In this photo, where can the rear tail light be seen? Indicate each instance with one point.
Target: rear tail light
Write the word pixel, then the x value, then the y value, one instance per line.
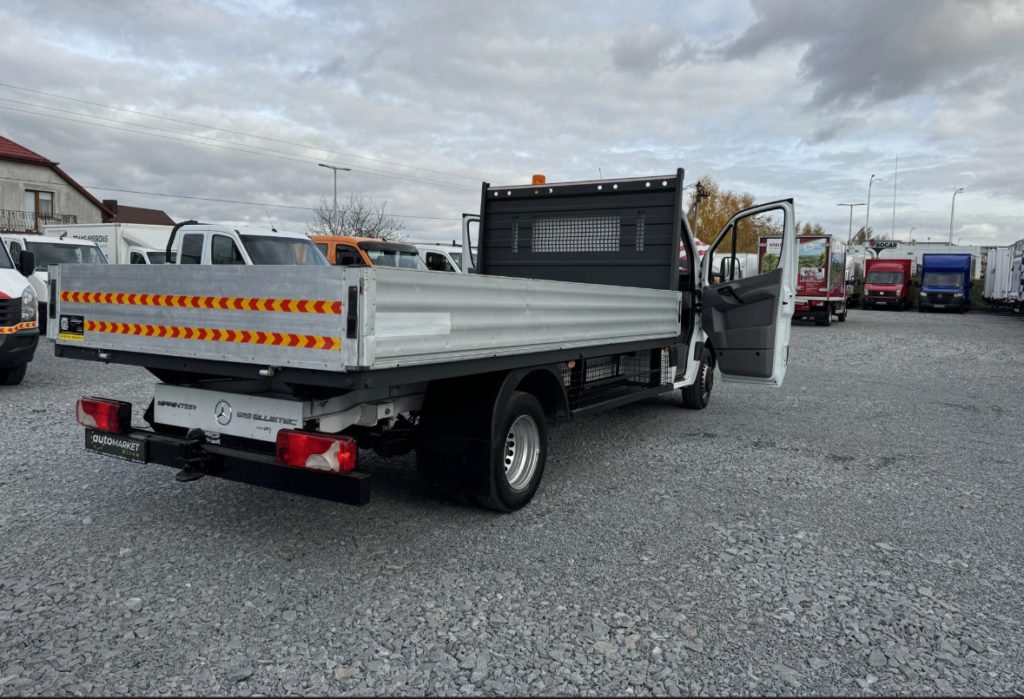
pixel 335 453
pixel 104 414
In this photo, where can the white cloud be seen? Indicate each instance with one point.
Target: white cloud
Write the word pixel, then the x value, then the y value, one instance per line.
pixel 426 100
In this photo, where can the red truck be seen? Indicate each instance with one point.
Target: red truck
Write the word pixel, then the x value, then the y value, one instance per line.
pixel 821 280
pixel 887 283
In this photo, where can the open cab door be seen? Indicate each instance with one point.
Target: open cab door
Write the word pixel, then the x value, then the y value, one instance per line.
pixel 747 318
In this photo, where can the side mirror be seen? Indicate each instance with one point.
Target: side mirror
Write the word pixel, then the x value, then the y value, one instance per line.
pixel 26 262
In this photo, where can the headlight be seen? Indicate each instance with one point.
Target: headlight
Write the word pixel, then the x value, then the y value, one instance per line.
pixel 958 295
pixel 29 305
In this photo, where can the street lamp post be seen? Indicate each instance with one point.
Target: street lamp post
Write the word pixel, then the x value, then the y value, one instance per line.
pixel 849 235
pixel 910 235
pixel 867 216
pixel 952 207
pixel 334 220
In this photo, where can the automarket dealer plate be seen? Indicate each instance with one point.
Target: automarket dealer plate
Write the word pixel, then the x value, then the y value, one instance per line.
pixel 119 445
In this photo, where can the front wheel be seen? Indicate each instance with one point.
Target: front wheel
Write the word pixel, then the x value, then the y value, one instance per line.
pixel 12 376
pixel 842 316
pixel 518 453
pixel 698 395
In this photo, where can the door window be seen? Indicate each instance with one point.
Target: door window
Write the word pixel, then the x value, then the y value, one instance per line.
pixel 347 255
pixel 191 249
pixel 438 262
pixel 223 251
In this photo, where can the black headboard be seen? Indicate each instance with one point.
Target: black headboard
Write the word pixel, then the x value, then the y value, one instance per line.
pixel 623 232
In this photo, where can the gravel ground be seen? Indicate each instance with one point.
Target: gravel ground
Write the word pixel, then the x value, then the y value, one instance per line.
pixel 856 532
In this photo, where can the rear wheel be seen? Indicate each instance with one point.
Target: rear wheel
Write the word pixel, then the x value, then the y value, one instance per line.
pixel 12 376
pixel 826 320
pixel 518 453
pixel 698 395
pixel 842 316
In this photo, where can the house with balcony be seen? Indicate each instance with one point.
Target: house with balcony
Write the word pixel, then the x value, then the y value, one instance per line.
pixel 35 192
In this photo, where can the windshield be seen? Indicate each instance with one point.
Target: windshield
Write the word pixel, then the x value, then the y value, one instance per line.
pixel 879 277
pixel 268 250
pixel 953 279
pixel 395 258
pixel 56 254
pixel 5 259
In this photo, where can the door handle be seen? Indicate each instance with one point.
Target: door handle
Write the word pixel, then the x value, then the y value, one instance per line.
pixel 732 292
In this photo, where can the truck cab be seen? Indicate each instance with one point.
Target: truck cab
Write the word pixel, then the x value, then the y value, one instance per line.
pixel 887 283
pixel 945 282
pixel 48 251
pixel 19 317
pixel 347 250
pixel 193 243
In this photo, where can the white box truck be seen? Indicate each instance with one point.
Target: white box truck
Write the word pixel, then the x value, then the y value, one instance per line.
pixel 121 243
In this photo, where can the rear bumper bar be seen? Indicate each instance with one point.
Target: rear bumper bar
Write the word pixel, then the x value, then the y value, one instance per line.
pixel 241 465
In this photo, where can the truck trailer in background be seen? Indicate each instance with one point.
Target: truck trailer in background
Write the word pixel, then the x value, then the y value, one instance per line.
pixel 997 277
pixel 945 282
pixel 1015 295
pixel 821 289
pixel 887 283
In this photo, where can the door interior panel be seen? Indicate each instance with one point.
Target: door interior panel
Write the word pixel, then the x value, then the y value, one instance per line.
pixel 738 316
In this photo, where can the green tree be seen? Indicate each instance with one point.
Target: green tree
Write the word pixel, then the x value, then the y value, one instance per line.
pixel 713 207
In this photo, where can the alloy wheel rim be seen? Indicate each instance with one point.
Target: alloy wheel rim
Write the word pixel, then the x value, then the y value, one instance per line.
pixel 522 452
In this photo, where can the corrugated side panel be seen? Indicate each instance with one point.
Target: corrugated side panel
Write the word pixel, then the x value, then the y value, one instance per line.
pixel 277 316
pixel 428 317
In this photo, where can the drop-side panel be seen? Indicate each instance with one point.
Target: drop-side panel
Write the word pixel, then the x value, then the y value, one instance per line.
pixel 426 317
pixel 275 316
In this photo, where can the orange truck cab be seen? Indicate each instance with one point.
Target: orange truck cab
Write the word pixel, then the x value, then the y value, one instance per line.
pixel 350 250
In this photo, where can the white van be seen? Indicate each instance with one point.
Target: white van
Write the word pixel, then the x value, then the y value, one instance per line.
pixel 47 251
pixel 441 258
pixel 19 317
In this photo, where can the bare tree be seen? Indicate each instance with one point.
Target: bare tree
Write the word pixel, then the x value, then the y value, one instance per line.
pixel 358 216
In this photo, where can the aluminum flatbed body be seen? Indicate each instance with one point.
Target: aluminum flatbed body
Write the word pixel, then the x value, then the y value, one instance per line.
pixel 344 319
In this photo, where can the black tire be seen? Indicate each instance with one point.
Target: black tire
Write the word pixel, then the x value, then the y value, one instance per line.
pixel 698 395
pixel 841 317
pixel 827 320
pixel 518 452
pixel 12 376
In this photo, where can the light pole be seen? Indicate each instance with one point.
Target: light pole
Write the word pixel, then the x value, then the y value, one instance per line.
pixel 867 216
pixel 910 235
pixel 952 207
pixel 849 235
pixel 334 220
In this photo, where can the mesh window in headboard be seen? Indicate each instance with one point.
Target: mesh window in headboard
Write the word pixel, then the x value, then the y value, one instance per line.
pixel 576 234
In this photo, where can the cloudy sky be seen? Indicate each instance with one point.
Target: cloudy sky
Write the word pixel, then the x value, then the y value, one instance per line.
pixel 221 111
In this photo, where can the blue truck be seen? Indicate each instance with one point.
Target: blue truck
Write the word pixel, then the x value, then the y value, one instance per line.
pixel 945 282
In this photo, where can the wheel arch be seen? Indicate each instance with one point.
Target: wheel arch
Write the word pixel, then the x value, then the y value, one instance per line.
pixel 544 384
